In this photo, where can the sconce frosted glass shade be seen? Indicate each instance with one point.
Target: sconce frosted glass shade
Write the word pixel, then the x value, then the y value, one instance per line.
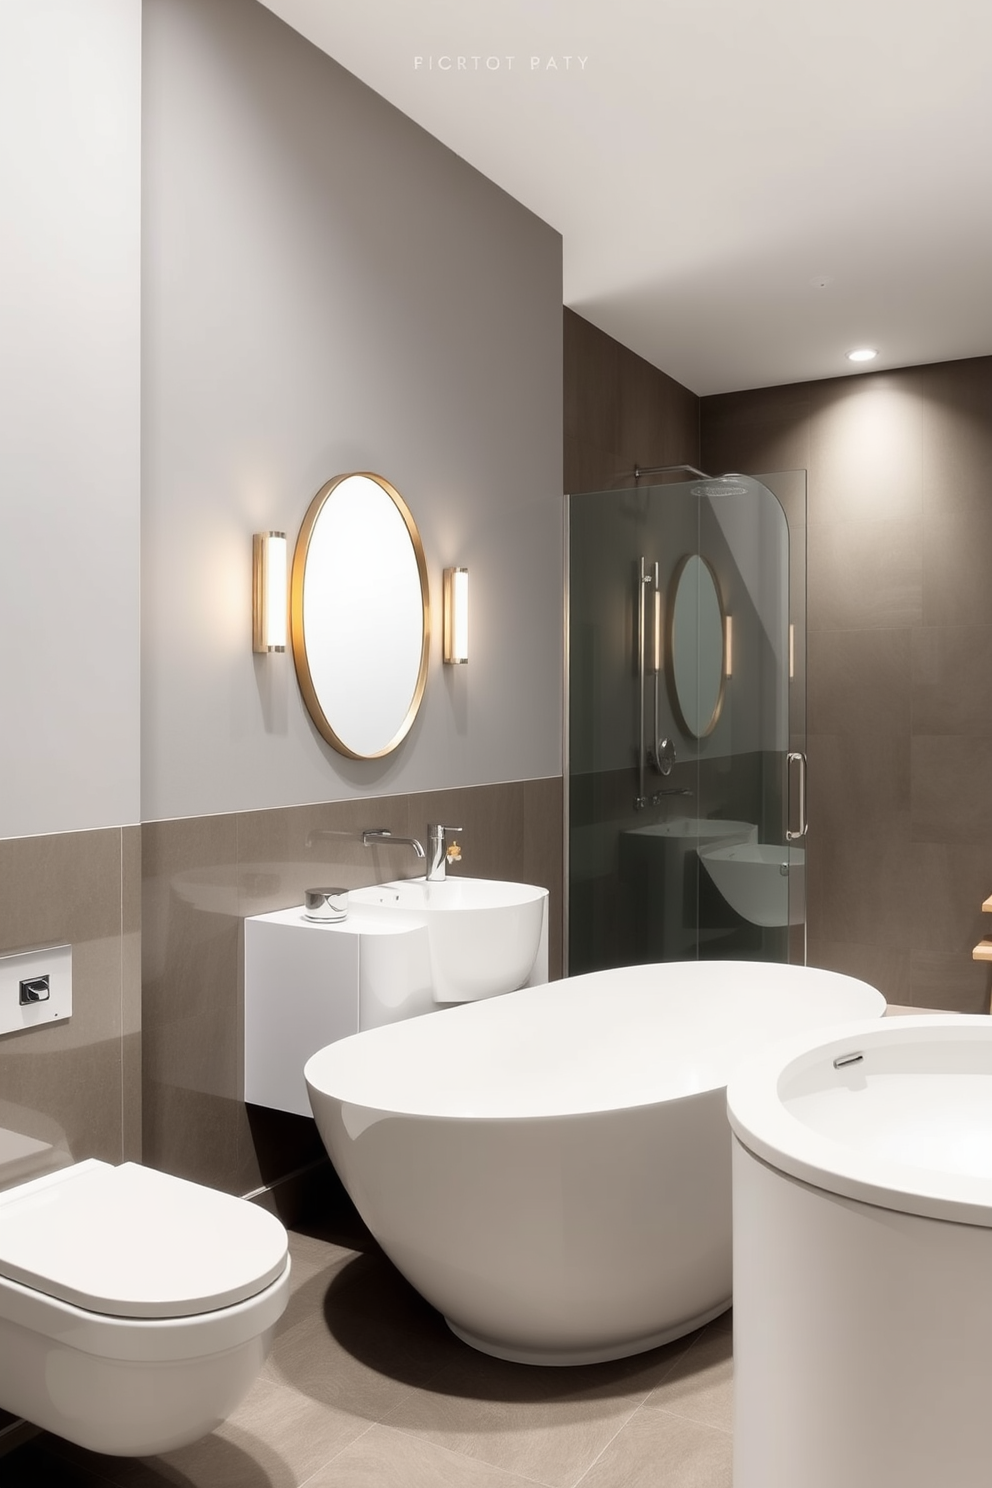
pixel 455 615
pixel 270 591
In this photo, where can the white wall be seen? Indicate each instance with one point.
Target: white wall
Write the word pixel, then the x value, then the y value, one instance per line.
pixel 326 288
pixel 70 89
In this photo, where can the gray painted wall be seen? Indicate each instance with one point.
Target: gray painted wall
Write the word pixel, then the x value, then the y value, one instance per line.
pixel 326 288
pixel 69 436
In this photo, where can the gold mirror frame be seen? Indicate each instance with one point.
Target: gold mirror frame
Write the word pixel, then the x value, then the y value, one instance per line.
pixel 315 706
pixel 677 704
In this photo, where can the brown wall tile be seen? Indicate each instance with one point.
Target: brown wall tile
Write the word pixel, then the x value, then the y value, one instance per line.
pixel 864 575
pixel 620 411
pixel 193 1112
pixel 950 679
pixel 956 404
pixel 67 1076
pixel 865 450
pixel 899 853
pixel 765 429
pixel 131 993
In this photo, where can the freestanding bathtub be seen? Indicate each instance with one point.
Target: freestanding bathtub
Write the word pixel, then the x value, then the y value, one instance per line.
pixel 863 1257
pixel 551 1168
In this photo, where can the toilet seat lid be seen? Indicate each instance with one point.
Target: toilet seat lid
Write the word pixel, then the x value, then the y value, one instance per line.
pixel 132 1242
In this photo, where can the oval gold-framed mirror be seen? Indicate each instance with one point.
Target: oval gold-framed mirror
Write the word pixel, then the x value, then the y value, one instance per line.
pixel 695 660
pixel 360 615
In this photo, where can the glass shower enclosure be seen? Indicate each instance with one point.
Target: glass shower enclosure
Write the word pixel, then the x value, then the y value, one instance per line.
pixel 686 709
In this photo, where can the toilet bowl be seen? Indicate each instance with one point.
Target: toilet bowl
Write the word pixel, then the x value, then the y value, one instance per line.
pixel 136 1308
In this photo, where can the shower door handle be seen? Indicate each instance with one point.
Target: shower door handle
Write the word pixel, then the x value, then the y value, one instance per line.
pixel 795 756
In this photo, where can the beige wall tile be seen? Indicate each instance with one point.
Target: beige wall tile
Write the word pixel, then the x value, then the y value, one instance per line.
pixel 62 1082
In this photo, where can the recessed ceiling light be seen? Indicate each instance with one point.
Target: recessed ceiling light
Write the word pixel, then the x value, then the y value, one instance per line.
pixel 863 354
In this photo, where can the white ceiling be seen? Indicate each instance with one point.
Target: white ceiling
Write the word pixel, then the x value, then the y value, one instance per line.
pixel 746 189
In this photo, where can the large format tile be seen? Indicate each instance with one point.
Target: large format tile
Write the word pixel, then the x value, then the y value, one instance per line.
pixel 765 429
pixel 659 1450
pixel 866 450
pixel 358 1338
pixel 951 800
pixel 956 550
pixel 956 407
pixel 383 1458
pixel 883 966
pixel 860 682
pixel 67 1075
pixel 131 1092
pixel 277 1438
pixel 548 1425
pixel 950 693
pixel 950 884
pixel 701 1386
pixel 949 982
pixel 865 574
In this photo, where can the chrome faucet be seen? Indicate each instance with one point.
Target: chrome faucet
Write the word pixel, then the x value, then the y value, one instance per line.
pixel 438 847
pixel 375 835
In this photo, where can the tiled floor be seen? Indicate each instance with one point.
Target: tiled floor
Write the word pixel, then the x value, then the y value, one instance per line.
pixel 366 1388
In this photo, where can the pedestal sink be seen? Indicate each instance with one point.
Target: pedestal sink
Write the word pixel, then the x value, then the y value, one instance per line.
pixel 659 863
pixel 484 934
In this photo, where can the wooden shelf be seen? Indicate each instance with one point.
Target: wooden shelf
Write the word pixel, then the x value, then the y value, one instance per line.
pixel 987 906
pixel 983 950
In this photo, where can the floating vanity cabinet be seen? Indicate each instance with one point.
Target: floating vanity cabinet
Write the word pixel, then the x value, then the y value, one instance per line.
pixel 309 984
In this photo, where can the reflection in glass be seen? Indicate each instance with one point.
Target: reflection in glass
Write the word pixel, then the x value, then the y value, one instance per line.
pixel 696 658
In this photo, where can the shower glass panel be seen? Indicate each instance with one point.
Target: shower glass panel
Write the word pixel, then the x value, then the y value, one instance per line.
pixel 686 668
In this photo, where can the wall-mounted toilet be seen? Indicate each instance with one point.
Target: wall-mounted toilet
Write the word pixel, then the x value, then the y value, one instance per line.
pixel 136 1308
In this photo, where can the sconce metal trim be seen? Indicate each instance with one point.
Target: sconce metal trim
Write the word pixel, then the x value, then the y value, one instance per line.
pixel 455 649
pixel 269 592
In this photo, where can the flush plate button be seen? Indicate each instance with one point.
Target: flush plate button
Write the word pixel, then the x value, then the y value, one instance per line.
pixel 35 989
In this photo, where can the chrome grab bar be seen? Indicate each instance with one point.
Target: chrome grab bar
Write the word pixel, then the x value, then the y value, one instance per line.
pixel 641 800
pixel 795 756
pixel 662 751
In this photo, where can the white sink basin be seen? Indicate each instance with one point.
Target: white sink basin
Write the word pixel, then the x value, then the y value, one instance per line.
pixel 764 883
pixel 484 933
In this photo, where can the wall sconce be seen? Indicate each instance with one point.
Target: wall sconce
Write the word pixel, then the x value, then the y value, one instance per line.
pixel 728 645
pixel 269 592
pixel 455 616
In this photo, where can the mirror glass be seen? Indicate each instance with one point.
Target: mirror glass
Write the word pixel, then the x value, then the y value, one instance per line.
pixel 695 646
pixel 360 615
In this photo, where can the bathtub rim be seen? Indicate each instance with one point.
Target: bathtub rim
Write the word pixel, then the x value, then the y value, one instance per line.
pixel 764 1126
pixel 347 1089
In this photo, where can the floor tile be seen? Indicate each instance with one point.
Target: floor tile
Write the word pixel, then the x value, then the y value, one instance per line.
pixel 391 1459
pixel 701 1385
pixel 358 1338
pixel 657 1450
pixel 277 1438
pixel 367 1388
pixel 544 1424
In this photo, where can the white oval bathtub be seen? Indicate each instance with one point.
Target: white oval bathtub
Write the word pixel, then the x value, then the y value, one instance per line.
pixel 863 1255
pixel 551 1169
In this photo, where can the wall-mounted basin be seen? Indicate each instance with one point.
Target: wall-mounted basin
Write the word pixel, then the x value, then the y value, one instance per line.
pixel 764 883
pixel 485 934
